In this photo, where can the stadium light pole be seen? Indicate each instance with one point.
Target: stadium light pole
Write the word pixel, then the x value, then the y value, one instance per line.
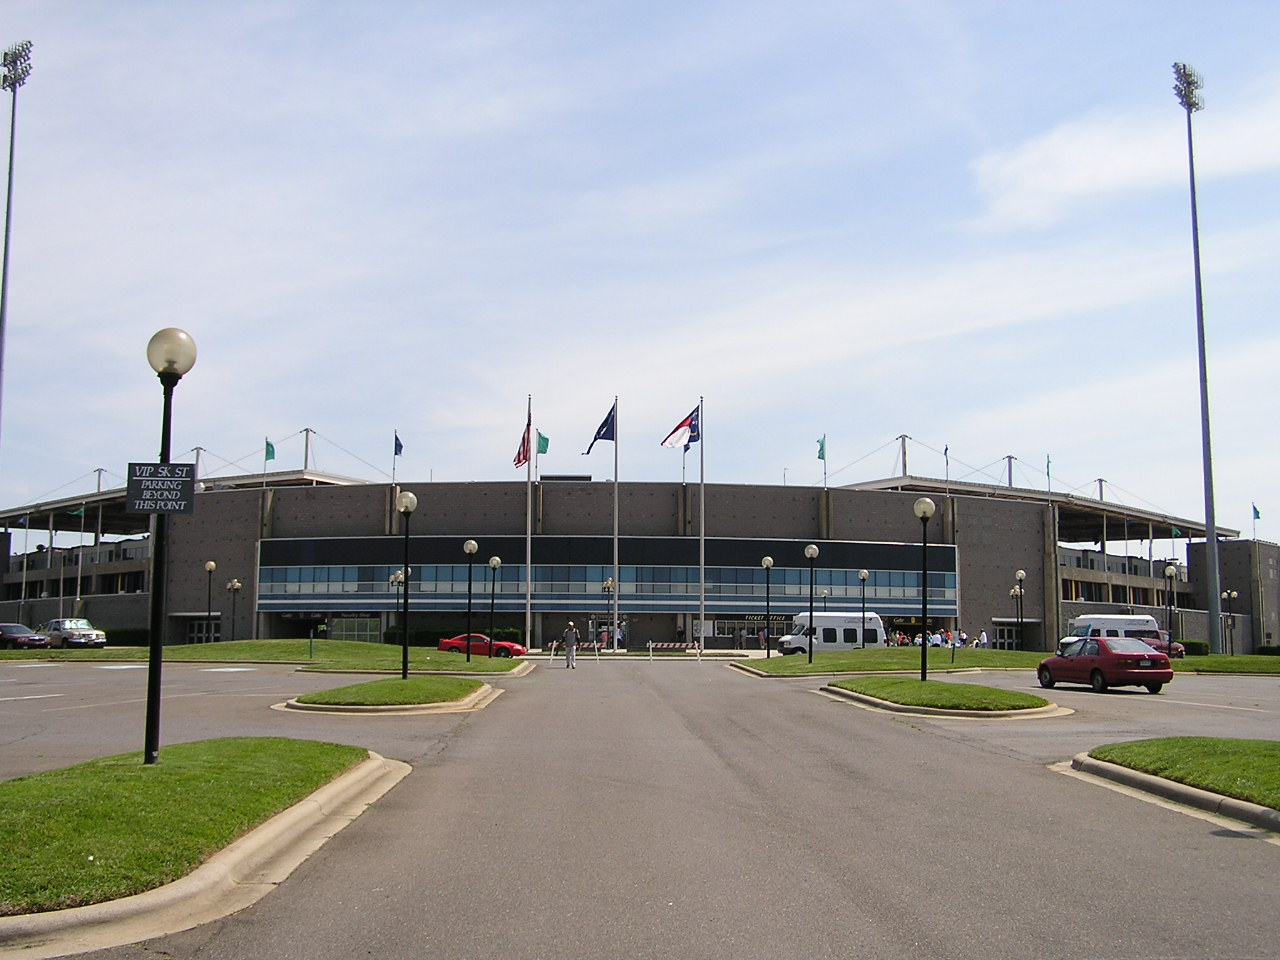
pixel 924 508
pixel 1187 87
pixel 811 551
pixel 17 67
pixel 171 353
pixel 406 503
pixel 767 563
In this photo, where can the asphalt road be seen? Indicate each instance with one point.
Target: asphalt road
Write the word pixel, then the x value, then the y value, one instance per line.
pixel 684 810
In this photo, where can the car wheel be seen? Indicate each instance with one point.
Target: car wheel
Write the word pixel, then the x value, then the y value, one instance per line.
pixel 1154 687
pixel 1098 681
pixel 500 652
pixel 1046 678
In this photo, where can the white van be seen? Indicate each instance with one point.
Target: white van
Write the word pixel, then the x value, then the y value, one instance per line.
pixel 1135 625
pixel 836 629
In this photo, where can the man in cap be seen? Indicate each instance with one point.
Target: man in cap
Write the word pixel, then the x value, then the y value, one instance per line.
pixel 571 646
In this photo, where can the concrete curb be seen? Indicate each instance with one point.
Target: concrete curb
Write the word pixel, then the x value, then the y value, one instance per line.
pixel 1251 813
pixel 1050 710
pixel 476 700
pixel 230 880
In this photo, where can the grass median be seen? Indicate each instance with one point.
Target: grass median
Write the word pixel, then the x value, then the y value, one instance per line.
pixel 911 692
pixel 1244 769
pixel 114 827
pixel 395 692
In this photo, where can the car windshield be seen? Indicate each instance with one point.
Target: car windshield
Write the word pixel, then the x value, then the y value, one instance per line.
pixel 15 628
pixel 797 630
pixel 77 625
pixel 1128 646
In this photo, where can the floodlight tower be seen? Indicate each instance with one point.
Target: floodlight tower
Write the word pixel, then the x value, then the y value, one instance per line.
pixel 1187 86
pixel 16 62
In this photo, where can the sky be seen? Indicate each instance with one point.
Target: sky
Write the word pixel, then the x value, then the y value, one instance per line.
pixel 968 223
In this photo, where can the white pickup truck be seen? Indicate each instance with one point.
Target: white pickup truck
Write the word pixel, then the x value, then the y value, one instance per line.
pixel 73 632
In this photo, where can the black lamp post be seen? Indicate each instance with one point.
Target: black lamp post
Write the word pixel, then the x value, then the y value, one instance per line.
pixel 767 563
pixel 862 580
pixel 924 509
pixel 811 551
pixel 171 353
pixel 1170 573
pixel 233 588
pixel 469 548
pixel 494 564
pixel 1020 576
pixel 607 589
pixel 406 503
pixel 1228 596
pixel 209 567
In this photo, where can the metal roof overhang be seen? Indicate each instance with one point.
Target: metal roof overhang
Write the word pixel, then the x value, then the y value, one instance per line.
pixel 1080 519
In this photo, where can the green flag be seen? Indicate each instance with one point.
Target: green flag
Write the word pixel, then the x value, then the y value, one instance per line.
pixel 544 443
pixel 822 448
pixel 1175 532
pixel 271 451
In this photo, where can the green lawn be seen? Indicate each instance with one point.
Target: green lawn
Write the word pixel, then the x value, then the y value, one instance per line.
pixel 114 827
pixel 329 655
pixel 910 691
pixel 896 658
pixel 1244 769
pixel 394 692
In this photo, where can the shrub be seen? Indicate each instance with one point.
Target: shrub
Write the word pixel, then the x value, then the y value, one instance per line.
pixel 1196 648
pixel 1268 650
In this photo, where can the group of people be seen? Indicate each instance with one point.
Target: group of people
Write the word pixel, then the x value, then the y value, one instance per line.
pixel 941 638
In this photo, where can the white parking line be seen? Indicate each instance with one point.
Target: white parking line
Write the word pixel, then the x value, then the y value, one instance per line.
pixel 228 669
pixel 1216 706
pixel 120 666
pixel 34 696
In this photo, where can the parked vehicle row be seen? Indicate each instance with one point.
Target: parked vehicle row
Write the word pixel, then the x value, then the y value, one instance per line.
pixel 65 632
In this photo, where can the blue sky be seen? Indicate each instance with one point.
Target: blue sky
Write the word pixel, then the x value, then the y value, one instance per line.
pixel 964 222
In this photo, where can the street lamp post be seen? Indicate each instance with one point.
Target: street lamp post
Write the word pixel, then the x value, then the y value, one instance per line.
pixel 209 567
pixel 811 551
pixel 767 563
pixel 924 508
pixel 17 67
pixel 1020 576
pixel 1228 596
pixel 862 581
pixel 171 353
pixel 607 589
pixel 1187 88
pixel 233 588
pixel 469 548
pixel 406 503
pixel 1170 573
pixel 495 563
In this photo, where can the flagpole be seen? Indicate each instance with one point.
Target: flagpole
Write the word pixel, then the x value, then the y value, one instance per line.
pixel 617 583
pixel 528 529
pixel 702 531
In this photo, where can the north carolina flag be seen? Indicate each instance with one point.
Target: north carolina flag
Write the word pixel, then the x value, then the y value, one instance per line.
pixel 399 445
pixel 687 431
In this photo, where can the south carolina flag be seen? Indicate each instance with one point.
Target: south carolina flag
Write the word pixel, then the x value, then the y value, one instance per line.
pixel 687 431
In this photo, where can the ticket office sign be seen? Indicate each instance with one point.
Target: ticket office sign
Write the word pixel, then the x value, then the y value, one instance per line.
pixel 161 488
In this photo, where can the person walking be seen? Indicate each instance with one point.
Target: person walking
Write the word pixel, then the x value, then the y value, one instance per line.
pixel 570 637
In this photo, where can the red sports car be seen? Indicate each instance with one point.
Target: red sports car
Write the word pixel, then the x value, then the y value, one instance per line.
pixel 481 646
pixel 1105 662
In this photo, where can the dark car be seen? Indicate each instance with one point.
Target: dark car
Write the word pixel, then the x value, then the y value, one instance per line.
pixel 1103 662
pixel 15 636
pixel 481 645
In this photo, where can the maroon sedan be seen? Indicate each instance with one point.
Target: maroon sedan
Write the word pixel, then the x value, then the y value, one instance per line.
pixel 16 636
pixel 481 646
pixel 1103 662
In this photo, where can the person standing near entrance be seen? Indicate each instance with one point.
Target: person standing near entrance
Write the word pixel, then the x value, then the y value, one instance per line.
pixel 570 637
